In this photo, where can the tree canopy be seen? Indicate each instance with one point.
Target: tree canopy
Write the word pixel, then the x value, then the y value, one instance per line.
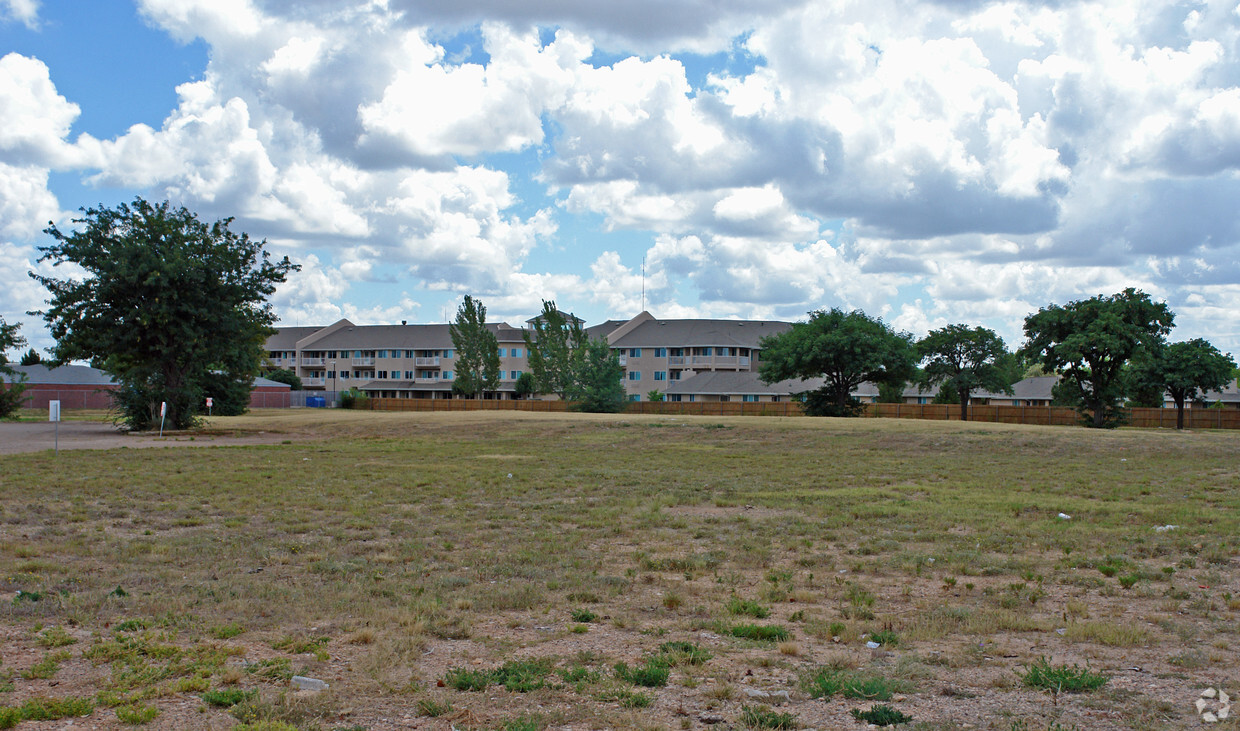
pixel 554 345
pixel 1089 341
pixel 11 388
pixel 845 349
pixel 477 350
pixel 1184 370
pixel 964 359
pixel 167 301
pixel 596 385
pixel 31 357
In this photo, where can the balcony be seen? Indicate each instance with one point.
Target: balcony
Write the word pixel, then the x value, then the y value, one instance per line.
pixel 675 360
pixel 307 361
pixel 426 380
pixel 624 359
pixel 426 362
pixel 312 381
pixel 364 361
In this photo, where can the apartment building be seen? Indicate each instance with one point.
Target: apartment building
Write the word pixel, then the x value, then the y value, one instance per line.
pixel 387 361
pixel 658 355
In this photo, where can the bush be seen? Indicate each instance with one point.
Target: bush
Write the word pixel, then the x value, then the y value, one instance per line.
pixel 1061 678
pixel 354 399
pixel 831 681
pixel 653 674
pixel 763 717
pixel 761 633
pixel 881 715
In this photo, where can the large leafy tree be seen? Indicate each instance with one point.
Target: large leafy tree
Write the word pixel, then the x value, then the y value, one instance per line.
pixel 554 346
pixel 12 387
pixel 1088 342
pixel 844 348
pixel 963 359
pixel 1184 370
pixel 477 350
pixel 167 301
pixel 596 385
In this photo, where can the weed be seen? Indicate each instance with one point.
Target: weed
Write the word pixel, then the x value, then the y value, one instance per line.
pixel 136 714
pixel 47 667
pixel 52 709
pixel 54 637
pixel 683 653
pixel 132 625
pixel 761 717
pixel 467 679
pixel 525 723
pixel 518 676
pixel 628 698
pixel 738 606
pixel 303 646
pixel 761 633
pixel 829 681
pixel 227 697
pixel 432 708
pixel 885 637
pixel 227 631
pixel 1129 580
pixel 1041 675
pixel 583 615
pixel 651 674
pixel 881 715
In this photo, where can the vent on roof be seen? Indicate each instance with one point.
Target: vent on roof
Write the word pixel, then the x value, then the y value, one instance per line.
pixel 404 322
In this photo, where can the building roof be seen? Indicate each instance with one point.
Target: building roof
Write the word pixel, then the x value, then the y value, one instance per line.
pixel 286 337
pixel 415 386
pixel 735 383
pixel 268 383
pixel 695 333
pixel 66 375
pixel 384 337
pixel 603 329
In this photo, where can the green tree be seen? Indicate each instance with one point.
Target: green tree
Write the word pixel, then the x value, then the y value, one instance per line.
pixel 12 387
pixel 891 393
pixel 844 348
pixel 477 350
pixel 656 396
pixel 964 359
pixel 1089 341
pixel 524 386
pixel 554 346
pixel 1184 370
pixel 31 357
pixel 284 375
pixel 167 300
pixel 596 385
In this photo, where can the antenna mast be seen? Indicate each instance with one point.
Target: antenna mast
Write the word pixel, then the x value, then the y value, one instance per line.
pixel 643 282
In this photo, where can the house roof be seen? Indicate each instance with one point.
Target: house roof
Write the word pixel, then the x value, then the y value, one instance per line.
pixel 731 383
pixel 415 386
pixel 383 337
pixel 268 383
pixel 66 375
pixel 603 329
pixel 690 333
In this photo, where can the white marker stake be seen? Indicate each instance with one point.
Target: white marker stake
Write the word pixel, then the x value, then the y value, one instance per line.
pixel 209 402
pixel 163 411
pixel 53 415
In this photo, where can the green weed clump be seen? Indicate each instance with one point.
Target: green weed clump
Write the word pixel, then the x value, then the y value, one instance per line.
pixel 683 653
pixel 826 682
pixel 584 615
pixel 881 715
pixel 748 607
pixel 652 674
pixel 53 709
pixel 761 633
pixel 518 676
pixel 54 637
pixel 761 717
pixel 885 637
pixel 227 697
pixel 431 708
pixel 136 714
pixel 1041 675
pixel 304 646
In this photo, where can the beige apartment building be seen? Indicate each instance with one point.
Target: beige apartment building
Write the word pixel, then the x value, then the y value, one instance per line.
pixel 387 361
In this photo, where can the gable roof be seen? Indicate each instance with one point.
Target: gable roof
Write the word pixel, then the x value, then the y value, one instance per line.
pixel 694 333
pixel 383 337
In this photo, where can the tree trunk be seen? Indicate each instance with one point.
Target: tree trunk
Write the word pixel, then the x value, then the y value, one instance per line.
pixel 964 404
pixel 1179 412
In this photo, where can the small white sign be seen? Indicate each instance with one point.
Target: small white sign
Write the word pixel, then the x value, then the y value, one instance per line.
pixel 210 402
pixel 53 411
pixel 163 409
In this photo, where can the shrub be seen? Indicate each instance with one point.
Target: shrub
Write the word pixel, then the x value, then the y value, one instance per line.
pixel 762 633
pixel 227 697
pixel 738 606
pixel 652 674
pixel 881 715
pixel 1061 678
pixel 763 717
pixel 831 681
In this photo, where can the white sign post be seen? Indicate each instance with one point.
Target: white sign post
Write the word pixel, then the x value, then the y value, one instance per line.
pixel 53 415
pixel 209 402
pixel 163 411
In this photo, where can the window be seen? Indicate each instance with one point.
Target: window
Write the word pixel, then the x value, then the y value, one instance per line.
pixel 635 397
pixel 331 374
pixel 516 352
pixel 705 351
pixel 660 352
pixel 775 398
pixel 447 375
pixel 635 375
pixel 331 354
pixel 447 354
pixel 678 351
pixel 344 375
pixel 673 397
pixel 724 351
pixel 408 375
pixel 383 375
pixel 503 352
pixel 516 375
pixel 381 354
pixel 409 354
pixel 692 397
pixel 749 398
pixel 660 375
pixel 635 352
pixel 725 398
pixel 675 375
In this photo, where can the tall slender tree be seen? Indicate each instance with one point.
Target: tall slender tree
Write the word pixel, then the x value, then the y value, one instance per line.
pixel 963 359
pixel 554 344
pixel 477 350
pixel 12 387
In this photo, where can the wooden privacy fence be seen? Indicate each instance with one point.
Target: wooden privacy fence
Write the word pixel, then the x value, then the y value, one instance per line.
pixel 1040 415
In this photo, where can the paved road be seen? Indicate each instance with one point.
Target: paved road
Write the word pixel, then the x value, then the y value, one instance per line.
pixel 29 436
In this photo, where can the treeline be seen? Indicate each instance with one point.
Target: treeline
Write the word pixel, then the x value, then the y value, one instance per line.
pixel 1106 351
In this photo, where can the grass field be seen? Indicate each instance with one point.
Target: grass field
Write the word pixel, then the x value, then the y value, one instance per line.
pixel 529 571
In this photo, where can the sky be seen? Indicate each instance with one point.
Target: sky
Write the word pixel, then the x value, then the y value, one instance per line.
pixel 927 161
